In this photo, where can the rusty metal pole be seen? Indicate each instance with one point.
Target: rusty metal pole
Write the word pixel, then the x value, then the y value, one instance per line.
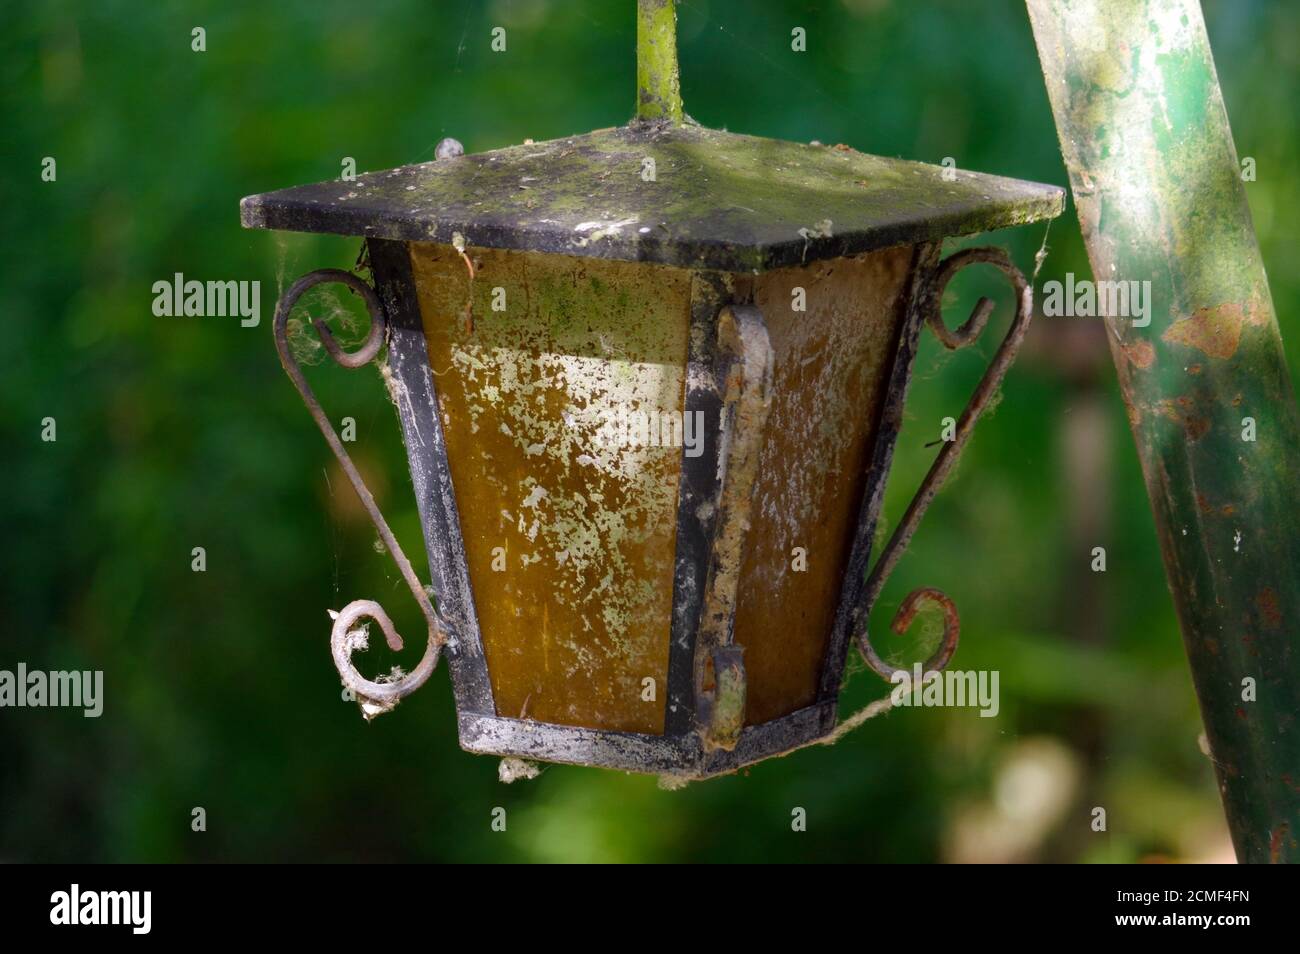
pixel 1159 191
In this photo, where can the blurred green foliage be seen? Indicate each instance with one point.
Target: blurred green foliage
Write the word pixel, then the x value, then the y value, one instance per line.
pixel 176 433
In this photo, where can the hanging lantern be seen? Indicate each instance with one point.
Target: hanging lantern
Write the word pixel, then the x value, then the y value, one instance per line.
pixel 650 380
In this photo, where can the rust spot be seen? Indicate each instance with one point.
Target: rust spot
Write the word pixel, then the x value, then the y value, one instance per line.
pixel 1241 713
pixel 1140 353
pixel 1181 411
pixel 1275 842
pixel 1269 611
pixel 1212 646
pixel 1214 331
pixel 1206 506
pixel 1130 409
pixel 1193 369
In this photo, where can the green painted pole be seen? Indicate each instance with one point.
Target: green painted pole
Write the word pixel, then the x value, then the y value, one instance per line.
pixel 658 87
pixel 1160 197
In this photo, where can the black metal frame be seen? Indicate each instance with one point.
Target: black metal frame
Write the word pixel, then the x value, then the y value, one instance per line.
pixel 689 747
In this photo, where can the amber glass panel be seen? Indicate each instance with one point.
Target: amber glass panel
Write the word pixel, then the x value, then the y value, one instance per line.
pixel 831 361
pixel 541 363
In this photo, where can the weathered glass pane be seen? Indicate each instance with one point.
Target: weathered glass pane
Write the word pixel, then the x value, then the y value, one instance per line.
pixel 567 501
pixel 832 361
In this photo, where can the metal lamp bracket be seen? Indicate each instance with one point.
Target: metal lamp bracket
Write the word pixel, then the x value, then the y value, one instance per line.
pixel 374 697
pixel 931 301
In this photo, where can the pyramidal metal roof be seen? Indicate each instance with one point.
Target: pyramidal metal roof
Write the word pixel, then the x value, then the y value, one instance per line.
pixel 672 194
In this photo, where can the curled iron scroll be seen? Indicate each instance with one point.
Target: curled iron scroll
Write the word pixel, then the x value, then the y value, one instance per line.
pixel 931 307
pixel 373 697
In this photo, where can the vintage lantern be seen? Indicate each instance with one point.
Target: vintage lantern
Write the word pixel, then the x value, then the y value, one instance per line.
pixel 650 381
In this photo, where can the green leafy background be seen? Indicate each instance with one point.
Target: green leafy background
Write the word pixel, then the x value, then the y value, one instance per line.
pixel 176 433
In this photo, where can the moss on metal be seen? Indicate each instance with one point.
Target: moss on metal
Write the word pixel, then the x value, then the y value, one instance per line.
pixel 658 86
pixel 672 194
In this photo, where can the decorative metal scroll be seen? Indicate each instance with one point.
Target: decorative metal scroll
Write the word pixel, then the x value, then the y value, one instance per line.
pixel 374 697
pixel 943 463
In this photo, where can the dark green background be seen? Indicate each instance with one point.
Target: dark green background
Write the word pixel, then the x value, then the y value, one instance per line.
pixel 176 433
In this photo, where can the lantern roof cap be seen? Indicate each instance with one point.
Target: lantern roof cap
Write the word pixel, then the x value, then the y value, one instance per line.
pixel 710 199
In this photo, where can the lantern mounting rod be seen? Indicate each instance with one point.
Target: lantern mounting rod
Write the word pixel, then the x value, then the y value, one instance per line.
pixel 658 83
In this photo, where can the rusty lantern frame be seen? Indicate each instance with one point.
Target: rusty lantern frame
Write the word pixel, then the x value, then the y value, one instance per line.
pixel 703 735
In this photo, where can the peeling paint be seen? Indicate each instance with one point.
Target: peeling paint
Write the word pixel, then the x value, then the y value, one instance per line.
pixel 588 525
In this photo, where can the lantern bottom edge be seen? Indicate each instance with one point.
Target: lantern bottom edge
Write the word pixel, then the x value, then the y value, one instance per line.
pixel 681 756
